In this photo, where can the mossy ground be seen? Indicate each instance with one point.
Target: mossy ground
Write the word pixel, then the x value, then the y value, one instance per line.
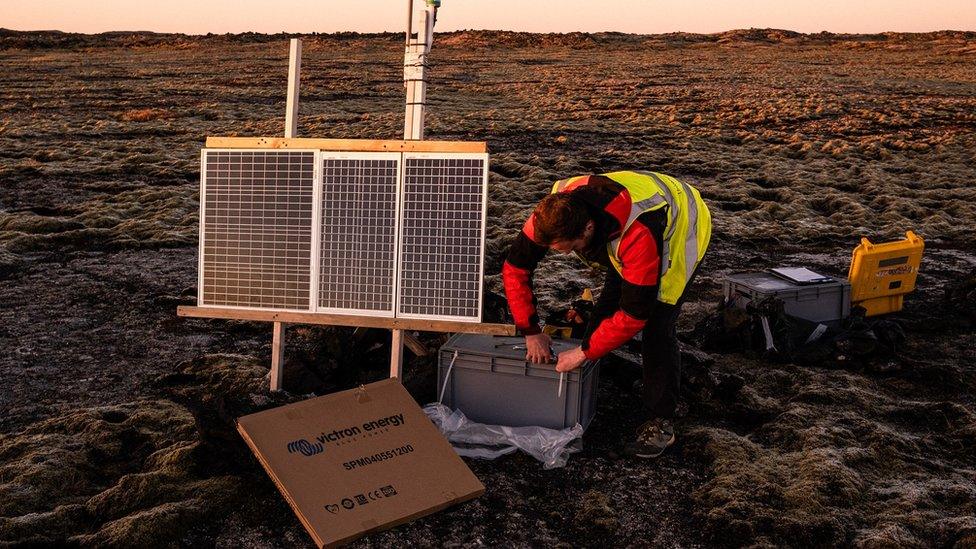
pixel 117 417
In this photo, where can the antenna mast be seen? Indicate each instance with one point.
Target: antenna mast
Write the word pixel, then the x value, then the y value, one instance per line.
pixel 416 48
pixel 420 36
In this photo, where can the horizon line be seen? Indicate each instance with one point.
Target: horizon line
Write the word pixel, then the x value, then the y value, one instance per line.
pixel 318 33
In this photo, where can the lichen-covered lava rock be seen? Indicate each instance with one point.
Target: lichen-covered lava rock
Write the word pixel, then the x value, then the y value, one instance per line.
pixel 118 475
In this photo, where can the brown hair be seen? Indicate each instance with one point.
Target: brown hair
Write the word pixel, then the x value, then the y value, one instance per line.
pixel 560 216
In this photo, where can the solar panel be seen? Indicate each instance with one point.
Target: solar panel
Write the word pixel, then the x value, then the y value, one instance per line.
pixel 357 258
pixel 383 234
pixel 442 235
pixel 256 216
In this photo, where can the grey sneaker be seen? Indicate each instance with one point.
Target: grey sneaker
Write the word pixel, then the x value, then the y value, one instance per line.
pixel 653 438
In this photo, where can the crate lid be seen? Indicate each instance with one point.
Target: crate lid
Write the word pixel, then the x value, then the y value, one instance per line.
pixel 766 283
pixel 800 275
pixel 504 346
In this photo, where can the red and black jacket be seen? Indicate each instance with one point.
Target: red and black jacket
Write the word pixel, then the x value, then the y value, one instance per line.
pixel 609 204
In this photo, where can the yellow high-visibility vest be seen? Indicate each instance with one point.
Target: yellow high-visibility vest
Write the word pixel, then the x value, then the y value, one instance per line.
pixel 688 230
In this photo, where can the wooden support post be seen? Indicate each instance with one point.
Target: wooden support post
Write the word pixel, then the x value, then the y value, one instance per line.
pixel 414 344
pixel 278 356
pixel 396 355
pixel 294 78
pixel 277 374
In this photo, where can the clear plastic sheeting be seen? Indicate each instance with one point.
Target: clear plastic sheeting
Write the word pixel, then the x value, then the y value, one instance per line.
pixel 550 446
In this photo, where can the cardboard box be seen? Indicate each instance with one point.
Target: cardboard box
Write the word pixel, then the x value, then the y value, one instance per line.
pixel 358 461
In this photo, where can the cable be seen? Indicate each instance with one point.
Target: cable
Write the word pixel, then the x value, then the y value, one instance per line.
pixel 447 377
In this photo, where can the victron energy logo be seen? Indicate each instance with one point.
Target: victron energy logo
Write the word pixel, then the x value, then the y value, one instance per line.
pixel 347 435
pixel 305 448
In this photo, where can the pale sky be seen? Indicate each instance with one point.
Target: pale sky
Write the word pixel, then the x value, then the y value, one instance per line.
pixel 635 16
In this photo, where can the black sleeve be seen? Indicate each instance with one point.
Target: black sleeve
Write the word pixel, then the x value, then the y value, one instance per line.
pixel 524 253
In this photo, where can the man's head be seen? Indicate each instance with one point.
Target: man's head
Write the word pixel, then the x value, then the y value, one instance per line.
pixel 563 223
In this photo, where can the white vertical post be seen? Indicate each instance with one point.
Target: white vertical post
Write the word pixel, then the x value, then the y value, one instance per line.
pixel 414 72
pixel 294 78
pixel 277 374
pixel 415 82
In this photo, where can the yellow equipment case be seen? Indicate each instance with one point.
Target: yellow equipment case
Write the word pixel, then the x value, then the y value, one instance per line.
pixel 881 274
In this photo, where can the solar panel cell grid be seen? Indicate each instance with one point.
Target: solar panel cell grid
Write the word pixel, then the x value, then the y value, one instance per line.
pixel 256 224
pixel 358 236
pixel 441 240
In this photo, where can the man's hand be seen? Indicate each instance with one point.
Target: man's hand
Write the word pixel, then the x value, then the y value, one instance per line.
pixel 570 360
pixel 537 348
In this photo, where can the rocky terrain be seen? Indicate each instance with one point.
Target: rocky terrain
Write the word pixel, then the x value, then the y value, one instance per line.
pixel 116 418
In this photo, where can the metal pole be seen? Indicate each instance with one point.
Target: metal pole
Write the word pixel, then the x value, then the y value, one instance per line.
pixel 414 71
pixel 409 22
pixel 414 80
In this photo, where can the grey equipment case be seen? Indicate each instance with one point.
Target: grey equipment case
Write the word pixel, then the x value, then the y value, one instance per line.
pixel 489 380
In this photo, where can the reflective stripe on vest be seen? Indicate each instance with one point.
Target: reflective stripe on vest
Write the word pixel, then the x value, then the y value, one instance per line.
pixel 688 225
pixel 558 186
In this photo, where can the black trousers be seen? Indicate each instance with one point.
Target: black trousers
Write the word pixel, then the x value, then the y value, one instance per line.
pixel 659 349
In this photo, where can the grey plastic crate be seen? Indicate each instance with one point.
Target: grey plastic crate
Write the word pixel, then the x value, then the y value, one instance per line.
pixel 492 383
pixel 825 303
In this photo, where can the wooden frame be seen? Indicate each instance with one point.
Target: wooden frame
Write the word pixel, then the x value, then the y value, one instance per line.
pixel 346 145
pixel 401 327
pixel 421 325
